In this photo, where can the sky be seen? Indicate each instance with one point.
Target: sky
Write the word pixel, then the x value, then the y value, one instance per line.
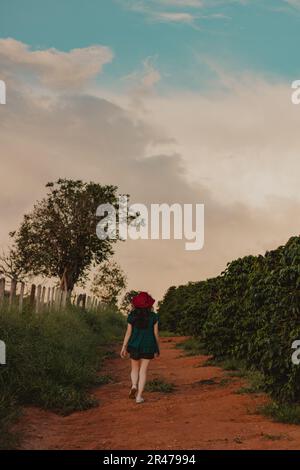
pixel 173 101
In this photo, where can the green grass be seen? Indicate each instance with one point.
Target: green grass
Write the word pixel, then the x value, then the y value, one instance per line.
pixel 237 368
pixel 9 413
pixel 168 334
pixel 212 362
pixel 234 367
pixel 53 360
pixel 231 364
pixel 160 385
pixel 225 381
pixel 103 380
pixel 255 383
pixel 282 412
pixel 191 346
pixel 110 354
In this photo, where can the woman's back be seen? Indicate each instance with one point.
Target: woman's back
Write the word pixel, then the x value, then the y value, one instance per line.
pixel 142 338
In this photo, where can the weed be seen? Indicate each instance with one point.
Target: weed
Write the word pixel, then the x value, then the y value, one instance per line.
pixel 160 385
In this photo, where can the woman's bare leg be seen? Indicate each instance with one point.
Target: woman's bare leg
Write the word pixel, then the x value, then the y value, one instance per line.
pixel 142 377
pixel 135 366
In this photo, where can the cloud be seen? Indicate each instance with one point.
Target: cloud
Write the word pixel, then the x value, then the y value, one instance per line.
pixel 146 79
pixel 190 10
pixel 153 11
pixel 53 68
pixel 182 3
pixel 235 150
pixel 143 82
pixel 293 3
pixel 174 17
pixel 242 140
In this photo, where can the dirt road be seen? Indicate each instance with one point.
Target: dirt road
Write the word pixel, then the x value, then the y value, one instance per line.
pixel 198 415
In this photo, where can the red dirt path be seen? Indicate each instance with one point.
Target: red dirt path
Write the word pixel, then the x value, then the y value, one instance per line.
pixel 195 416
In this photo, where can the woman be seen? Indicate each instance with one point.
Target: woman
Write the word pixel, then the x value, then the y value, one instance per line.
pixel 141 341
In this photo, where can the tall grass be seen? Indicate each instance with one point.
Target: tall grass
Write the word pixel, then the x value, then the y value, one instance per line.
pixel 52 359
pixel 191 346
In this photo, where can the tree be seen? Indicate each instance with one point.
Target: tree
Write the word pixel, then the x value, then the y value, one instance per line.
pixel 11 266
pixel 109 282
pixel 58 238
pixel 126 302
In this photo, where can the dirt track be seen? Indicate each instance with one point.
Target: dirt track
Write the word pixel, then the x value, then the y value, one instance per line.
pixel 196 416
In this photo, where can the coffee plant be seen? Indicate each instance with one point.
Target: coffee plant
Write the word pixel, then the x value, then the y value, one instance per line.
pixel 251 312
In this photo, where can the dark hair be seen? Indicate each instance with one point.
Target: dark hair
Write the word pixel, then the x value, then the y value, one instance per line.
pixel 141 318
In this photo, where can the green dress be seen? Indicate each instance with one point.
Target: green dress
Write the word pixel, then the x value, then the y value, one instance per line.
pixel 143 340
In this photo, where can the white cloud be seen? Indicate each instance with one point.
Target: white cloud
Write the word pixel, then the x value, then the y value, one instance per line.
pixel 54 68
pixel 142 83
pixel 242 141
pixel 182 3
pixel 174 17
pixel 179 11
pixel 153 11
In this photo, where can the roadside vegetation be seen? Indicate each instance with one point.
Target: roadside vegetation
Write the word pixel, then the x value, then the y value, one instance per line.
pixel 53 360
pixel 160 385
pixel 54 354
pixel 247 317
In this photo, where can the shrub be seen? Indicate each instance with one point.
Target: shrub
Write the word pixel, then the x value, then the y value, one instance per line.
pixel 251 312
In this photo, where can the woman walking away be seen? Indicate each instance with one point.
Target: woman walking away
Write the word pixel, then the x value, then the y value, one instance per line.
pixel 141 341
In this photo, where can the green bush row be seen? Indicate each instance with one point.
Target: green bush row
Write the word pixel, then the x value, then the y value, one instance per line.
pixel 250 312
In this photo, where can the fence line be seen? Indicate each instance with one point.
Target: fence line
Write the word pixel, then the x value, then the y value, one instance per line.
pixel 41 298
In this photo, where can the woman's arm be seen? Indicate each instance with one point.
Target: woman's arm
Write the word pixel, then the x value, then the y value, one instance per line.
pixel 156 334
pixel 126 339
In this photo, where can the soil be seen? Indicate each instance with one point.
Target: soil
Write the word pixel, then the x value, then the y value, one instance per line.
pixel 204 412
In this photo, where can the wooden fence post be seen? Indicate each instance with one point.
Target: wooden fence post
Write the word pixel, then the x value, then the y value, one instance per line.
pixel 38 298
pixel 12 295
pixel 83 301
pixel 43 298
pixel 64 298
pixel 58 295
pixel 32 295
pixel 48 298
pixel 21 297
pixel 2 290
pixel 52 301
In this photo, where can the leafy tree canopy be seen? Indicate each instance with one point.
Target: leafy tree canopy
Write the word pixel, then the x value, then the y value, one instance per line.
pixel 109 282
pixel 126 301
pixel 58 238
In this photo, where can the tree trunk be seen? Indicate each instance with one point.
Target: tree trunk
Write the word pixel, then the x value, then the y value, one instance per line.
pixel 66 281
